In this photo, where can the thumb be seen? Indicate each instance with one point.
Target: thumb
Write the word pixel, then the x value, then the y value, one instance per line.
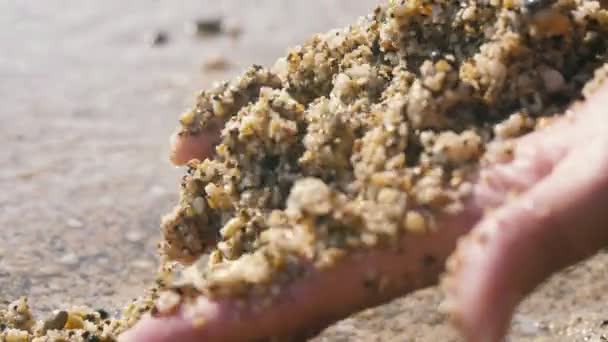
pixel 558 222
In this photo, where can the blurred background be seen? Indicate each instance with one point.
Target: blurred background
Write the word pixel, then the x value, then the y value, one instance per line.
pixel 89 94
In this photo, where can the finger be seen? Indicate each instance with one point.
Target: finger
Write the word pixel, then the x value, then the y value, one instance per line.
pixel 315 300
pixel 185 147
pixel 362 279
pixel 534 155
pixel 547 147
pixel 558 222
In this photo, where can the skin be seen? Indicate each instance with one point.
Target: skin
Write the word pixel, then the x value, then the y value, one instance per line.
pixel 502 246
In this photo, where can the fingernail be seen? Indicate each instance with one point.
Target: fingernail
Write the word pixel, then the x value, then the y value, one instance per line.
pixel 172 148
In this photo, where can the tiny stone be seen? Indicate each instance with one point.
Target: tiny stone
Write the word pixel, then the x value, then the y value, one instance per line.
pixel 134 236
pixel 57 322
pixel 167 301
pixel 103 314
pixel 199 205
pixel 74 322
pixel 69 259
pixel 233 29
pixel 74 223
pixel 216 63
pixel 310 195
pixel 107 292
pixel 103 260
pixel 106 200
pixel 553 80
pixel 157 191
pixel 369 239
pixel 49 271
pixel 187 118
pixel 208 26
pixel 527 326
pixel 198 322
pixel 142 264
pixel 415 222
pixel 159 38
pixel 535 5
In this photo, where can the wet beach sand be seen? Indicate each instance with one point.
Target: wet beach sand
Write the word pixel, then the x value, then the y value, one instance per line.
pixel 90 93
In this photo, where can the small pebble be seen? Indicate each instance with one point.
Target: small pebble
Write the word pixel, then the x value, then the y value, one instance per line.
pixel 216 63
pixel 527 326
pixel 74 223
pixel 103 260
pixel 159 38
pixel 49 271
pixel 69 259
pixel 198 322
pixel 207 26
pixel 167 301
pixel 157 191
pixel 415 222
pixel 74 322
pixel 535 5
pixel 553 80
pixel 27 175
pixel 142 264
pixel 57 322
pixel 233 29
pixel 106 200
pixel 134 236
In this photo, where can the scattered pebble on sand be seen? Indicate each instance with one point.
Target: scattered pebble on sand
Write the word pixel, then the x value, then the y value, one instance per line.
pixel 74 223
pixel 157 191
pixel 207 27
pixel 142 264
pixel 159 38
pixel 214 26
pixel 134 236
pixel 215 62
pixel 233 28
pixel 69 259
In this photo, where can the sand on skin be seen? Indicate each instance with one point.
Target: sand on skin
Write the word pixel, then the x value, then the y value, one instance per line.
pixel 79 86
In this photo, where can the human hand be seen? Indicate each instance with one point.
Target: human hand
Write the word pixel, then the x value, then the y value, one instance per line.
pixel 558 218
